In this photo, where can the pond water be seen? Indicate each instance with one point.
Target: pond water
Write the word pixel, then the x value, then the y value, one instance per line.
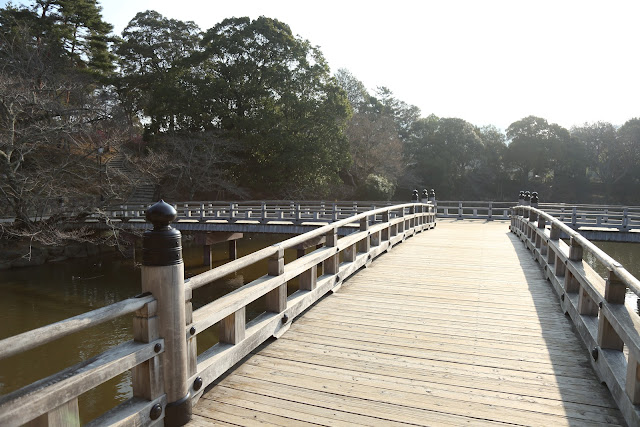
pixel 38 296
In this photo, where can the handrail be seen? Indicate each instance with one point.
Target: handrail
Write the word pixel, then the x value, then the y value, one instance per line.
pixel 596 306
pixel 215 274
pixel 628 279
pixel 238 337
pixel 162 349
pixel 57 395
pixel 45 334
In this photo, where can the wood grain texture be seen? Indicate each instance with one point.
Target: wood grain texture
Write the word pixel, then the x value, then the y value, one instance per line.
pixel 457 326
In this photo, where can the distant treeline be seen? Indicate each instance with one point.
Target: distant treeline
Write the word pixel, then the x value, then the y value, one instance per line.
pixel 246 109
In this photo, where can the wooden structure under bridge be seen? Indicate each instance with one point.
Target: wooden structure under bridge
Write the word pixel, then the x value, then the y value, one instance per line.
pixel 456 324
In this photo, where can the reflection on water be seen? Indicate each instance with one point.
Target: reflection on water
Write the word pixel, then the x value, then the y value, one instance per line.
pixel 627 254
pixel 37 296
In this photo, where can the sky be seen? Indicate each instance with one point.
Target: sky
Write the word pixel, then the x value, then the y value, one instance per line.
pixel 489 62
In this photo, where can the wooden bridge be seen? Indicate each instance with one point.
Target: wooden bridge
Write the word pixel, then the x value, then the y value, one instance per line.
pixel 470 322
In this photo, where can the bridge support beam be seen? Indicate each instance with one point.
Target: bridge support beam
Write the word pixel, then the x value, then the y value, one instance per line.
pixel 209 239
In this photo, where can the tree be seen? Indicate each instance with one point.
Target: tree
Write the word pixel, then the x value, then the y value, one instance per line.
pixel 192 166
pixel 156 79
pixel 533 147
pixel 53 118
pixel 72 29
pixel 273 92
pixel 445 154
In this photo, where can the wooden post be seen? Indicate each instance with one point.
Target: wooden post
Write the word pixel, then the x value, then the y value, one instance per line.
pixel 65 415
pixel 632 386
pixel 614 293
pixel 541 243
pixel 332 264
pixel 147 379
pixel 586 305
pixel 386 232
pixel 233 250
pixel 364 244
pixel 232 327
pixel 163 276
pixel 207 256
pixel 276 300
pixel 554 234
pixel 560 267
pixel 575 250
pixel 350 253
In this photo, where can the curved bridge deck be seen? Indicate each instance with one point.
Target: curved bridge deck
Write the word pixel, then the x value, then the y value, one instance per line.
pixel 453 327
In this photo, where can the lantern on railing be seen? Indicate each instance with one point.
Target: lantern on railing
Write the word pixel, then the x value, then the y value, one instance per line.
pixel 534 199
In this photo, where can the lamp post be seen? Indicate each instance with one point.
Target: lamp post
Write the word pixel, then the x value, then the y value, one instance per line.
pixel 99 159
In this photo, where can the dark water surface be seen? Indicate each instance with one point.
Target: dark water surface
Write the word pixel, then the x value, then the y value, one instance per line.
pixel 627 254
pixel 37 296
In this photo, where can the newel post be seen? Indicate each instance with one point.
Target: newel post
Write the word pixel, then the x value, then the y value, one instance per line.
pixel 425 196
pixel 163 276
pixel 527 202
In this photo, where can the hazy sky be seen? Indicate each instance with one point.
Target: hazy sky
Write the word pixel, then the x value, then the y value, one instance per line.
pixel 488 62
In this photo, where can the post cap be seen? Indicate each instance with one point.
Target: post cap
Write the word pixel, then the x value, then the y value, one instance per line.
pixel 425 194
pixel 521 195
pixel 534 197
pixel 161 214
pixel 415 195
pixel 527 196
pixel 161 246
pixel 433 193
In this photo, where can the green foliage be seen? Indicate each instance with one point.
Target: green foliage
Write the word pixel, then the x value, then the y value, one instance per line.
pixel 377 187
pixel 445 154
pixel 156 78
pixel 273 91
pixel 72 30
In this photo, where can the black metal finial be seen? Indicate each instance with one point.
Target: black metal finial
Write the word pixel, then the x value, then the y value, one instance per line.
pixel 415 196
pixel 433 193
pixel 534 197
pixel 521 195
pixel 527 196
pixel 161 215
pixel 161 246
pixel 425 194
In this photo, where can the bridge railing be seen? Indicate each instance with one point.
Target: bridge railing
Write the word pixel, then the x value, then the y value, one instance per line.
pixel 168 375
pixel 608 327
pixel 379 230
pixel 473 209
pixel 53 401
pixel 622 218
pixel 262 211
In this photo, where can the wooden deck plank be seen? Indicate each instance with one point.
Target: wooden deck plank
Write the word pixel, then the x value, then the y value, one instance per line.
pixel 447 328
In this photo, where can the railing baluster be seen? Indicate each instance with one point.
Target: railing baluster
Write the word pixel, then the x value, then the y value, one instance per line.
pixel 232 327
pixel 147 378
pixel 332 264
pixel 65 415
pixel 276 300
pixel 365 244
